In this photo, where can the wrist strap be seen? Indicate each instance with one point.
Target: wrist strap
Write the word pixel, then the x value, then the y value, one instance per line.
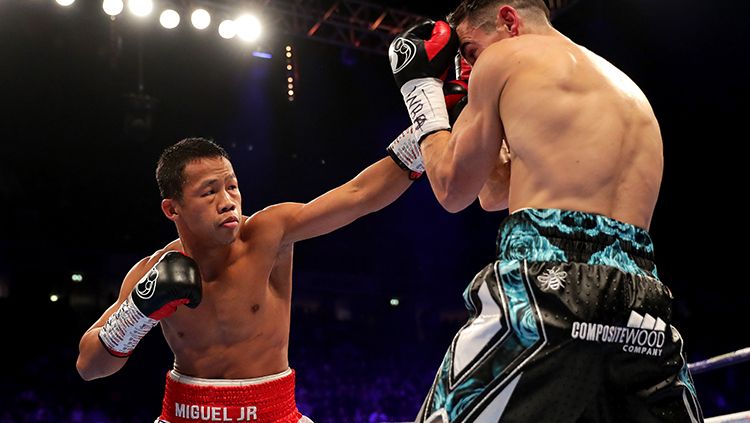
pixel 425 102
pixel 124 329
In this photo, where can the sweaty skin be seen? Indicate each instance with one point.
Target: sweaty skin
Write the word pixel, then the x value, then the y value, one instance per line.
pixel 241 328
pixel 581 135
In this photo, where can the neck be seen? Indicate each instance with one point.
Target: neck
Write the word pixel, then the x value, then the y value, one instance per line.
pixel 211 259
pixel 539 28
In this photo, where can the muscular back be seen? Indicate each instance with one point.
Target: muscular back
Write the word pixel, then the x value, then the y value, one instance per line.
pixel 581 134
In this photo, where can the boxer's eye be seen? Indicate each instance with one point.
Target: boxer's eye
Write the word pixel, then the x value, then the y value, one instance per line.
pixel 207 193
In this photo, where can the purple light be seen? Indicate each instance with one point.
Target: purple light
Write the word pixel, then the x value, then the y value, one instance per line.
pixel 262 54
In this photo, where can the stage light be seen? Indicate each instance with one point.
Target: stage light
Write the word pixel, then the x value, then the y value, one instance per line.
pixel 112 7
pixel 248 28
pixel 54 298
pixel 395 302
pixel 263 54
pixel 141 8
pixel 76 277
pixel 169 19
pixel 65 2
pixel 290 73
pixel 200 18
pixel 227 29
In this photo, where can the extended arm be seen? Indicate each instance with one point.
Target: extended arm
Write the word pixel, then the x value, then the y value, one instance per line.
pixel 374 188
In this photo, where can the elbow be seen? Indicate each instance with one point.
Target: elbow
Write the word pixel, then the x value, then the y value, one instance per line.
pixel 492 204
pixel 84 370
pixel 452 192
pixel 452 203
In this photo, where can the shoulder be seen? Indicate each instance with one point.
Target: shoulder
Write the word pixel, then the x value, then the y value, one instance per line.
pixel 274 214
pixel 494 67
pixel 528 57
pixel 507 55
pixel 273 219
pixel 149 261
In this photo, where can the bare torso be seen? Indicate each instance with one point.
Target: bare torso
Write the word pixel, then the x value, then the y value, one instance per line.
pixel 241 328
pixel 582 136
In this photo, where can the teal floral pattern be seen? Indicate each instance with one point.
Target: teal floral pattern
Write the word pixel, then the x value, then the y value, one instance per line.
pixel 554 235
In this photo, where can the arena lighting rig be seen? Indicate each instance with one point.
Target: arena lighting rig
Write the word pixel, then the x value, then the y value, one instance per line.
pixel 353 24
pixel 349 23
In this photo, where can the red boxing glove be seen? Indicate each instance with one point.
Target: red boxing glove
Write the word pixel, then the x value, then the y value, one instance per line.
pixel 454 91
pixel 463 68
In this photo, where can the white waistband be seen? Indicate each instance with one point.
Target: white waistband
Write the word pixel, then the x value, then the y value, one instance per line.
pixel 189 380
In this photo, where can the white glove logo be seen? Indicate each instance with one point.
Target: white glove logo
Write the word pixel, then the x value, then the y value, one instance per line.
pixel 401 53
pixel 145 288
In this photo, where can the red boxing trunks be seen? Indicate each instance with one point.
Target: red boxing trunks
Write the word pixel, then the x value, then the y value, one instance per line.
pixel 268 399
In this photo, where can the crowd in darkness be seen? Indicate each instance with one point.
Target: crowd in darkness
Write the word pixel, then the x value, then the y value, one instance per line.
pixel 347 372
pixel 354 379
pixel 343 386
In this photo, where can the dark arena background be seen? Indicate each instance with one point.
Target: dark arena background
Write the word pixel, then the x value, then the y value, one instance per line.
pixel 88 102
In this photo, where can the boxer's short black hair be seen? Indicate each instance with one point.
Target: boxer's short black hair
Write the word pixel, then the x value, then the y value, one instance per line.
pixel 172 162
pixel 480 12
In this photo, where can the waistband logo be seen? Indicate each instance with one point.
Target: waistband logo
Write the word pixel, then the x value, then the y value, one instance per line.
pixel 553 279
pixel 215 414
pixel 642 335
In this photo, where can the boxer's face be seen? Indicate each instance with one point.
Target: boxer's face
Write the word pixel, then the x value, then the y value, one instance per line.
pixel 211 205
pixel 475 39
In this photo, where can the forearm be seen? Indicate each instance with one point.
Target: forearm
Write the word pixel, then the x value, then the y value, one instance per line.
pixel 93 359
pixel 379 185
pixel 444 176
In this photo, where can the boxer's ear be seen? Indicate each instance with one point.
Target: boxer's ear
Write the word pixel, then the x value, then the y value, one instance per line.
pixel 170 208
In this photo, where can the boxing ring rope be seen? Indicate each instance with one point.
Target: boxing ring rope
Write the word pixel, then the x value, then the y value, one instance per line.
pixel 720 361
pixel 723 360
pixel 713 363
pixel 742 417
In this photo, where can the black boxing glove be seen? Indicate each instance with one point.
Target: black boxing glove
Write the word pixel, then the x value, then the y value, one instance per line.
pixel 174 280
pixel 420 59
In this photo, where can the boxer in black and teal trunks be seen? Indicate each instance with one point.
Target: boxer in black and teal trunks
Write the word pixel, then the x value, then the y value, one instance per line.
pixel 569 324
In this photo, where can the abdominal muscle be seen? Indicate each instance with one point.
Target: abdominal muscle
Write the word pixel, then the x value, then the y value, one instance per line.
pixel 237 332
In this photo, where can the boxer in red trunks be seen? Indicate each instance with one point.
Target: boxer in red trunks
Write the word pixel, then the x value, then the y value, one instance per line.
pixel 222 290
